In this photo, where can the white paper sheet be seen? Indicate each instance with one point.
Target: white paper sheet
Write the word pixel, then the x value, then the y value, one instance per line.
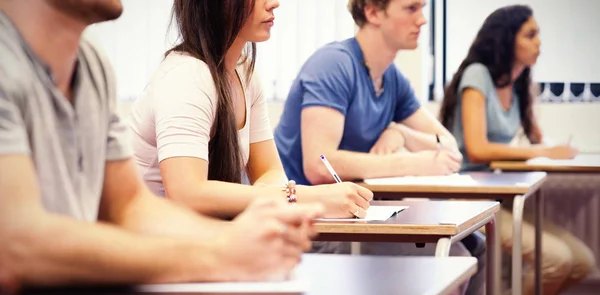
pixel 582 160
pixel 374 213
pixel 295 285
pixel 449 180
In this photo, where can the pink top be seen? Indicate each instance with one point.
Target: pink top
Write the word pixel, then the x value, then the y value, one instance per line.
pixel 174 115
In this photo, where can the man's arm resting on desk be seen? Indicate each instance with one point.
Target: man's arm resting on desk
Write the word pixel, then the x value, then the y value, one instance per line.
pixel 42 249
pixel 126 201
pixel 322 131
pixel 420 131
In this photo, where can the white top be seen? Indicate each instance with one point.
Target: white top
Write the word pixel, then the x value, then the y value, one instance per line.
pixel 173 117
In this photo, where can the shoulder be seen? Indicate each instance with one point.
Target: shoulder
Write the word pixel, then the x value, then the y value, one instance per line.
pixel 476 76
pixel 17 70
pixel 182 79
pixel 98 69
pixel 395 73
pixel 333 58
pixel 187 71
pixel 477 68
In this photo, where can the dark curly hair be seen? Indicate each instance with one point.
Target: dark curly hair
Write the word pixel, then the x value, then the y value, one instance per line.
pixel 494 47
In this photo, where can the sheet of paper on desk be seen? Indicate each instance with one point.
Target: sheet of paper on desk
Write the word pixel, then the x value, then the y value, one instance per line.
pixel 296 285
pixel 582 160
pixel 449 180
pixel 374 213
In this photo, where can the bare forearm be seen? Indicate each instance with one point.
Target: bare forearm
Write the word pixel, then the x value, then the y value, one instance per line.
pixel 221 199
pixel 55 251
pixel 272 177
pixel 417 141
pixel 157 216
pixel 499 152
pixel 354 166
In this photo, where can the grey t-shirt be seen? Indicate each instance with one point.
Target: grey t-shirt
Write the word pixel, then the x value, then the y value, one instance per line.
pixel 502 125
pixel 69 143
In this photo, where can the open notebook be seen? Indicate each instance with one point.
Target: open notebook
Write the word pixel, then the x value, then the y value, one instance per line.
pixel 583 160
pixel 449 180
pixel 374 213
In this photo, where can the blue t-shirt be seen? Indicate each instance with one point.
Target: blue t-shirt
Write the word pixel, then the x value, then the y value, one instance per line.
pixel 502 125
pixel 335 76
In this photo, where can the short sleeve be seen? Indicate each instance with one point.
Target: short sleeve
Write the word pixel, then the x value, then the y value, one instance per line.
pixel 327 80
pixel 13 134
pixel 184 104
pixel 260 126
pixel 407 102
pixel 475 76
pixel 117 141
pixel 118 147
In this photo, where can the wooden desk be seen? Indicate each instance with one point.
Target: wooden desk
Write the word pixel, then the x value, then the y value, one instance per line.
pixel 488 186
pixel 591 163
pixel 358 275
pixel 515 186
pixel 441 222
pixel 421 222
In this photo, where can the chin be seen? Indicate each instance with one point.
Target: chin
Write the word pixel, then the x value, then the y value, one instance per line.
pixel 409 46
pixel 261 37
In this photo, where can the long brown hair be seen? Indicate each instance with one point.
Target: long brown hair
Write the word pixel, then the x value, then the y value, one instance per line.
pixel 207 30
pixel 494 47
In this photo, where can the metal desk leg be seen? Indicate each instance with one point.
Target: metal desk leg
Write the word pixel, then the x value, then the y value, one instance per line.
pixel 538 204
pixel 355 248
pixel 517 250
pixel 493 264
pixel 442 248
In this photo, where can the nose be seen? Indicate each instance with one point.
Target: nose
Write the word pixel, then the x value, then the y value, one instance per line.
pixel 422 20
pixel 272 4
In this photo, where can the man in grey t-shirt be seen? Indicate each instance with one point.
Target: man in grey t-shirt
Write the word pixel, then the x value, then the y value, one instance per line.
pixel 64 164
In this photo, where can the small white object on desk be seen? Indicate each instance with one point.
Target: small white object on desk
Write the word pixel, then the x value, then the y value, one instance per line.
pixel 374 213
pixel 449 180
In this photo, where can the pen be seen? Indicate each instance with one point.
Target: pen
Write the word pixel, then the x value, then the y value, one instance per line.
pixel 331 171
pixel 439 143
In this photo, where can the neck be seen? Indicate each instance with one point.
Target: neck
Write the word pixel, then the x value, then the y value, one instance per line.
pixel 233 54
pixel 378 55
pixel 53 36
pixel 516 71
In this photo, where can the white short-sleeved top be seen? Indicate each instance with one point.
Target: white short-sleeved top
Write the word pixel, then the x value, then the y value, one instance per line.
pixel 173 117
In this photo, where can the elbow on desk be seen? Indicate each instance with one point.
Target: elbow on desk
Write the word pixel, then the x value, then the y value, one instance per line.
pixel 478 155
pixel 316 173
pixel 194 200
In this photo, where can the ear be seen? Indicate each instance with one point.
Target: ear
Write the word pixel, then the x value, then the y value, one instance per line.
pixel 374 15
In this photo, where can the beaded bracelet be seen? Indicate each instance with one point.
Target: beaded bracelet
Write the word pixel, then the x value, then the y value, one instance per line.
pixel 290 190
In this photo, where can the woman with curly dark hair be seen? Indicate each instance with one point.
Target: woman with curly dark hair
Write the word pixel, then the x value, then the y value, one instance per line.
pixel 485 105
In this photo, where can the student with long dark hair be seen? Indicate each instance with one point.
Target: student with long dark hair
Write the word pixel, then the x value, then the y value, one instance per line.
pixel 201 124
pixel 485 104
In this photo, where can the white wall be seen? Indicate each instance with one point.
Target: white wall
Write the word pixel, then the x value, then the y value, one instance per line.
pixel 558 121
pixel 568 30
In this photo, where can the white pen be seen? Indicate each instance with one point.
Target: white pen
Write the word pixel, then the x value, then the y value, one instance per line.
pixel 331 171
